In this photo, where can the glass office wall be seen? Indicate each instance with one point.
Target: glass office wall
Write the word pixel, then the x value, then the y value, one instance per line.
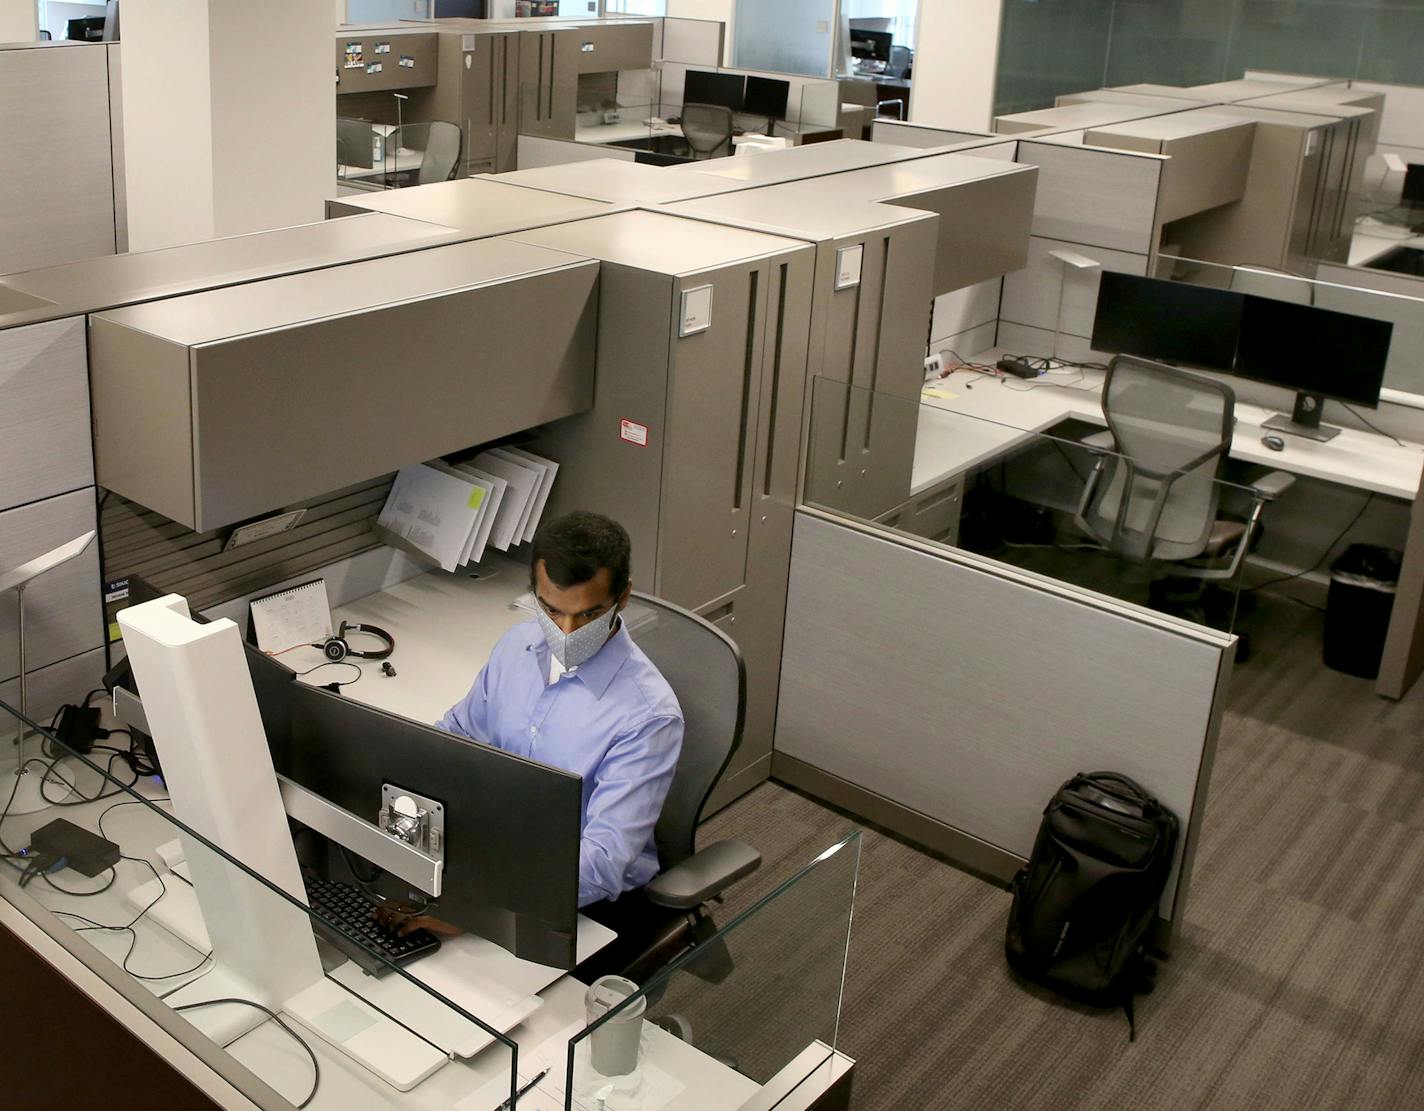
pixel 385 11
pixel 1048 47
pixel 789 36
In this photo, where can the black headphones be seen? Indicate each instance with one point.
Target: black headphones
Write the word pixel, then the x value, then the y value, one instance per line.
pixel 335 648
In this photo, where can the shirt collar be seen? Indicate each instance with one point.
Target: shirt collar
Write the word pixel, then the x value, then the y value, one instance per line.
pixel 597 672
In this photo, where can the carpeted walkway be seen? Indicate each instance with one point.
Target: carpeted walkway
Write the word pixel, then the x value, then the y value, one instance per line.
pixel 1299 981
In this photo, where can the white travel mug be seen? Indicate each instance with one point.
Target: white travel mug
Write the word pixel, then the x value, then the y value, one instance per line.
pixel 615 1043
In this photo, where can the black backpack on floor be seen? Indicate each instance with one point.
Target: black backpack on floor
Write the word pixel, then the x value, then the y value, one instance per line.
pixel 1086 900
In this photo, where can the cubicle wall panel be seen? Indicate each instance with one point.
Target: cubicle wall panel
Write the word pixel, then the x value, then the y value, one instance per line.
pixel 385 61
pixel 603 466
pixel 57 188
pixel 52 686
pixel 1092 196
pixel 964 309
pixel 968 692
pixel 63 611
pixel 44 412
pixel 713 389
pixel 1031 294
pixel 1024 340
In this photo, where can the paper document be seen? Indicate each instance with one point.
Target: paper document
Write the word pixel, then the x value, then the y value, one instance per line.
pixel 288 618
pixel 518 497
pixel 547 470
pixel 434 511
pixel 497 487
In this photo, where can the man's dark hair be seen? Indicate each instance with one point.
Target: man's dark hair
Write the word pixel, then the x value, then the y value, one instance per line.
pixel 574 546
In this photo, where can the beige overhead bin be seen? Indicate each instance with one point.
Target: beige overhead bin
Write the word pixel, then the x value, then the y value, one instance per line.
pixel 384 60
pixel 1208 157
pixel 221 406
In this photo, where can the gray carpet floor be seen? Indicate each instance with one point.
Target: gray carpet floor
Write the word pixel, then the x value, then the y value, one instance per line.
pixel 1299 980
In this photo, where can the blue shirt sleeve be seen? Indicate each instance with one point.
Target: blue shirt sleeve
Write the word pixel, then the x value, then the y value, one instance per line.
pixel 469 717
pixel 630 786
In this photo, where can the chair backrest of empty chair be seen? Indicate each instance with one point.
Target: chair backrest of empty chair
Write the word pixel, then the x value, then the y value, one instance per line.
pixel 1173 431
pixel 353 142
pixel 440 143
pixel 899 61
pixel 705 670
pixel 706 127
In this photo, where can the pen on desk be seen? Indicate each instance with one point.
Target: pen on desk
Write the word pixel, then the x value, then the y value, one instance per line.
pixel 509 1103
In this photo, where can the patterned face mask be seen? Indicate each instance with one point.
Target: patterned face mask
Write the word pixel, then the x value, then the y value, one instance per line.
pixel 579 646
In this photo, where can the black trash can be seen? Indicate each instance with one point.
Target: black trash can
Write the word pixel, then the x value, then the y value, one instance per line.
pixel 1362 585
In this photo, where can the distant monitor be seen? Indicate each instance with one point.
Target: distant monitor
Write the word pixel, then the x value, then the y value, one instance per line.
pixel 88 29
pixel 870 46
pixel 1316 352
pixel 1413 191
pixel 767 96
pixel 1171 321
pixel 702 86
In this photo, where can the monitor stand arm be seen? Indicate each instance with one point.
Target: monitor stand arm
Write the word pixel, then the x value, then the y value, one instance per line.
pixel 1304 420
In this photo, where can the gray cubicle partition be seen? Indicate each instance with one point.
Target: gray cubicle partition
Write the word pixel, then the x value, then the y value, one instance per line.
pixel 946 696
pixel 693 438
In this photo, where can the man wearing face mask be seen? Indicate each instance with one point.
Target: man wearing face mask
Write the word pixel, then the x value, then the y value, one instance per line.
pixel 572 690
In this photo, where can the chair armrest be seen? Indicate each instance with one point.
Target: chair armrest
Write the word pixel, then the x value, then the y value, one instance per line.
pixel 703 875
pixel 1273 485
pixel 1099 441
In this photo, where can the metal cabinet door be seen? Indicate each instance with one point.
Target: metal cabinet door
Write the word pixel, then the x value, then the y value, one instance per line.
pixel 505 49
pixel 714 386
pixel 548 83
pixel 481 85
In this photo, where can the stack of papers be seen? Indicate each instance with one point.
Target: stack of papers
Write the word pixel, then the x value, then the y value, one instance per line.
pixel 450 512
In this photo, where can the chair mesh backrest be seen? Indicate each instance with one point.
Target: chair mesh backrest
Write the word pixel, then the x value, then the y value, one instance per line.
pixel 353 142
pixel 706 127
pixel 439 141
pixel 1172 430
pixel 705 670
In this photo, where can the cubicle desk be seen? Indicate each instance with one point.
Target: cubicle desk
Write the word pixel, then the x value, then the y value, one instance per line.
pixel 797 163
pixel 1011 415
pixel 1073 117
pixel 618 182
pixel 482 206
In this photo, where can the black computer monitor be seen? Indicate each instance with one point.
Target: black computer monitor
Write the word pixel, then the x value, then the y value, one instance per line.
pixel 1172 321
pixel 702 86
pixel 766 96
pixel 1318 353
pixel 90 28
pixel 1412 192
pixel 871 46
pixel 511 825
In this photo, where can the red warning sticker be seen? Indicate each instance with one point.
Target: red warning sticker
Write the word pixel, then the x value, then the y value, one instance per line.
pixel 633 432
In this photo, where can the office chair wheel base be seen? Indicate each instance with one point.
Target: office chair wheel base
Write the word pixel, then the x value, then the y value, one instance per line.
pixel 675 1025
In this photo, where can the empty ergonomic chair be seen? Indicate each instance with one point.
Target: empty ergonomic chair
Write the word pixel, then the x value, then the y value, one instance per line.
pixel 707 129
pixel 440 144
pixel 705 670
pixel 1155 500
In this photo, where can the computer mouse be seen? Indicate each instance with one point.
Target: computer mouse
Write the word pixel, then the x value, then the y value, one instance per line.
pixel 1275 443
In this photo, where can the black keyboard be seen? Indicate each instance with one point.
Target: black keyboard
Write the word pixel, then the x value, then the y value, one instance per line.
pixel 350 910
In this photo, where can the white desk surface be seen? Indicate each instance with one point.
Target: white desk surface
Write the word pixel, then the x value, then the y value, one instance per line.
pixel 1009 412
pixel 625 129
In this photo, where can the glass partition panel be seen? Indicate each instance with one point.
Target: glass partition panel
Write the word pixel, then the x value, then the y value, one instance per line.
pixel 285 1002
pixel 790 36
pixel 1404 368
pixel 1026 473
pixel 710 1029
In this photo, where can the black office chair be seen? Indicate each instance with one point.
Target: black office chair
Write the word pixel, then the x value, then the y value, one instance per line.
pixel 440 143
pixel 899 64
pixel 1155 501
pixel 705 670
pixel 707 129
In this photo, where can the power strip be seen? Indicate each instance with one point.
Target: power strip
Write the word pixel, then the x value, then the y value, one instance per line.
pixel 1019 368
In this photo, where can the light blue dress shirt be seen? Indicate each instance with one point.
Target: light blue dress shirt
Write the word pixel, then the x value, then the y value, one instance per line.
pixel 614 721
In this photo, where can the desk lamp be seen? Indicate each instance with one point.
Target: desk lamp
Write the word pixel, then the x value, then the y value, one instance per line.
pixel 27 798
pixel 1071 260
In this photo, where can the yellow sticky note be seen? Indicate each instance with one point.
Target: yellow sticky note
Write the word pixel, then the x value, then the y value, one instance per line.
pixel 115 633
pixel 943 395
pixel 477 497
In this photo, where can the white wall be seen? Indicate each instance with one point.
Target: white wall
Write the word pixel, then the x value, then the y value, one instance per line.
pixel 18 21
pixel 217 142
pixel 956 56
pixel 720 10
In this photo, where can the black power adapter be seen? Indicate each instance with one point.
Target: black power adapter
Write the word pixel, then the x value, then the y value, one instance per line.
pixel 1012 364
pixel 78 727
pixel 87 853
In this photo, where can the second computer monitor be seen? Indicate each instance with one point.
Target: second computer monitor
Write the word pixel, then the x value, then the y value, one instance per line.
pixel 870 46
pixel 701 86
pixel 766 96
pixel 1313 351
pixel 1171 321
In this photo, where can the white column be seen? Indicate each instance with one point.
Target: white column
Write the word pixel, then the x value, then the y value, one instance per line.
pixel 19 21
pixel 229 116
pixel 956 60
pixel 722 11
